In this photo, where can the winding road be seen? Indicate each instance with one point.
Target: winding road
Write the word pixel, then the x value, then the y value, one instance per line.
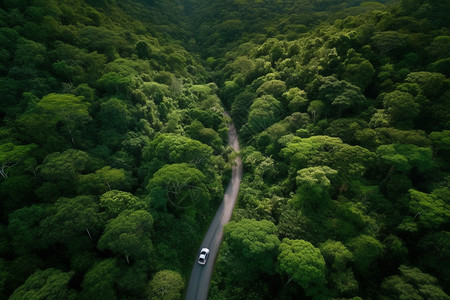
pixel 201 275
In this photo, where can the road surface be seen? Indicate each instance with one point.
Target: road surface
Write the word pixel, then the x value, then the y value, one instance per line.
pixel 201 275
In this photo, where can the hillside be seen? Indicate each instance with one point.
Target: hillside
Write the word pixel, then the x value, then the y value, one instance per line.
pixel 114 156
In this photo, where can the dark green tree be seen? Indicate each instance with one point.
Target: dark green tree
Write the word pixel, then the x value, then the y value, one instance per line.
pixel 48 284
pixel 129 235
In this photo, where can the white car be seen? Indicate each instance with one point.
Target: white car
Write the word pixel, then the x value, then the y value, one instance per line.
pixel 203 256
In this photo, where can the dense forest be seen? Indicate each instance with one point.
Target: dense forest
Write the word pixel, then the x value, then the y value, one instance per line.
pixel 114 154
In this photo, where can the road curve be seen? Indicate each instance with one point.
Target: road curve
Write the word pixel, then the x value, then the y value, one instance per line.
pixel 201 275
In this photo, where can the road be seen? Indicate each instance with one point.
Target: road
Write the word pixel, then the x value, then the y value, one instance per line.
pixel 201 275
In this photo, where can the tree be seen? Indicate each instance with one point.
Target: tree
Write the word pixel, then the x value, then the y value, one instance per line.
pixel 70 217
pixel 103 180
pixel 100 280
pixel 303 263
pixel 114 202
pixel 339 272
pixel 143 50
pixel 349 161
pixel 315 108
pixel 430 210
pixel 166 285
pixel 441 141
pixel 68 109
pixel 296 98
pixel 272 87
pixel 11 155
pixel 313 187
pixel 174 149
pixel 434 254
pixel 113 83
pixel 359 73
pixel 63 168
pixel 431 84
pixel 29 53
pixel 115 115
pixel 339 93
pixel 49 284
pixel 403 157
pixel 23 228
pixel 401 108
pixel 264 111
pixel 183 184
pixel 366 250
pixel 389 41
pixel 129 235
pixel 412 283
pixel 254 244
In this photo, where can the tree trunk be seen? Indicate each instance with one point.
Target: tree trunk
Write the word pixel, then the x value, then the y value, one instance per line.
pixel 128 260
pixel 391 170
pixel 87 230
pixel 70 133
pixel 289 281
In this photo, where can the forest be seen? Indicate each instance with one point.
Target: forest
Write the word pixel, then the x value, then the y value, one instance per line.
pixel 114 148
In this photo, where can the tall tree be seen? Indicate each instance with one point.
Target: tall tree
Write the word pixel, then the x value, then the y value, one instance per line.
pixel 129 235
pixel 71 217
pixel 166 285
pixel 68 109
pixel 304 264
pixel 253 243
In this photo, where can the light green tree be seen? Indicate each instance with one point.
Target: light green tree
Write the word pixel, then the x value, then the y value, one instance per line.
pixel 68 109
pixel 166 285
pixel 313 187
pixel 254 244
pixel 303 263
pixel 11 155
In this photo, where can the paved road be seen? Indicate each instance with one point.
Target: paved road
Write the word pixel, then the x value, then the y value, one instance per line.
pixel 201 275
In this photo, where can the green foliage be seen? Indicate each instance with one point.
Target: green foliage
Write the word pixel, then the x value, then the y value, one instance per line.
pixel 431 210
pixel 167 285
pixel 366 250
pixel 104 179
pixel 11 155
pixel 129 235
pixel 183 184
pixel 401 108
pixel 23 228
pixel 48 284
pixel 303 263
pixel 341 280
pixel 114 202
pixel 403 157
pixel 109 117
pixel 254 244
pixel 71 217
pixel 68 109
pixel 412 283
pixel 100 280
pixel 172 148
pixel 313 187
